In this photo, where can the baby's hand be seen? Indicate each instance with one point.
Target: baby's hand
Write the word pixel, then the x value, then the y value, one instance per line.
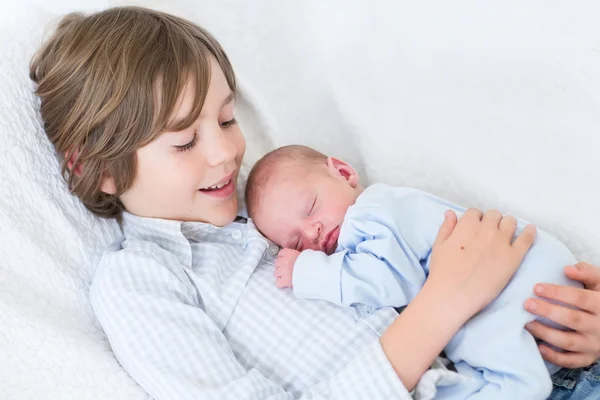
pixel 284 267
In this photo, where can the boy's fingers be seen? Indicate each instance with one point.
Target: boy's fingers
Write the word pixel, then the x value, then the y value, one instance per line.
pixel 469 223
pixel 492 218
pixel 447 227
pixel 473 213
pixel 508 226
pixel 524 241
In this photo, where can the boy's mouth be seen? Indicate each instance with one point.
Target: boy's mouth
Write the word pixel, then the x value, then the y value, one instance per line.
pixel 222 189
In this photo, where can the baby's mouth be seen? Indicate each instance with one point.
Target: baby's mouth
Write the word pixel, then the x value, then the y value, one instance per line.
pixel 330 241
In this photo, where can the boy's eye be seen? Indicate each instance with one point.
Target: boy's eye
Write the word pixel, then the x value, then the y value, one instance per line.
pixel 188 146
pixel 229 123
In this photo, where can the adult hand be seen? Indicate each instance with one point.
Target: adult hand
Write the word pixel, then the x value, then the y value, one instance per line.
pixel 582 346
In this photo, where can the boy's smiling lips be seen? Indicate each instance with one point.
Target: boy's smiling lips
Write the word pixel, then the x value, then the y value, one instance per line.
pixel 221 189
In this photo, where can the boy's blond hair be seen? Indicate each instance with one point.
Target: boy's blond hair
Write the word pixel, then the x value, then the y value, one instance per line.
pixel 109 83
pixel 261 175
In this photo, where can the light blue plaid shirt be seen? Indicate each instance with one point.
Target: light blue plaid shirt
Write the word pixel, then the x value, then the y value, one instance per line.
pixel 192 312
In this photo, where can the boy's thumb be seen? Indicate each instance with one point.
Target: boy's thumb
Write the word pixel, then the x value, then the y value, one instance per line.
pixel 450 221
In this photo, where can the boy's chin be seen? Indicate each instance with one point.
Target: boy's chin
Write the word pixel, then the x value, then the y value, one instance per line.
pixel 223 215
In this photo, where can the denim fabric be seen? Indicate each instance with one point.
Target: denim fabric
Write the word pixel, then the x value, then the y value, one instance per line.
pixel 577 384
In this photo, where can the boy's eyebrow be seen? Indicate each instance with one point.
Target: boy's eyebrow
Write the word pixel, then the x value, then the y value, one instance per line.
pixel 228 99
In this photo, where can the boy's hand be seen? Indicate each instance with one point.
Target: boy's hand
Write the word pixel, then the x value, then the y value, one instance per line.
pixel 284 267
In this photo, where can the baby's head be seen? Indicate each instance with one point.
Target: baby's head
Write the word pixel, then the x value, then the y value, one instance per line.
pixel 298 197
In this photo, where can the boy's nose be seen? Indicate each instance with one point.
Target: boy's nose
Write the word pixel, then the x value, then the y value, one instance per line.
pixel 219 149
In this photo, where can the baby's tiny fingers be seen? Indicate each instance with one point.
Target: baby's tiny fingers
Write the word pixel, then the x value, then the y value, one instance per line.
pixel 279 283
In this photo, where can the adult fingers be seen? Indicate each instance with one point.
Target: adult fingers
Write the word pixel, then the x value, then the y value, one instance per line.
pixel 577 320
pixel 570 341
pixel 585 273
pixel 566 359
pixel 581 298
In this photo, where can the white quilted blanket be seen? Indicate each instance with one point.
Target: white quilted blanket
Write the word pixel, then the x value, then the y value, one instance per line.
pixel 488 104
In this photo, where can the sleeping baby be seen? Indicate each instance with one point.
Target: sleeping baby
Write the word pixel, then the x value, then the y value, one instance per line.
pixel 370 247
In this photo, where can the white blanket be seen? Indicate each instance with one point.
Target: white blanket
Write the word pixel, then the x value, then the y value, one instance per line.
pixel 487 104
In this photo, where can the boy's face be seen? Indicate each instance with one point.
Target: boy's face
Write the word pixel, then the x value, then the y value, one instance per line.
pixel 303 206
pixel 191 175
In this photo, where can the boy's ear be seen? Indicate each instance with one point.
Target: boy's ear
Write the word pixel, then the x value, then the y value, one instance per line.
pixel 108 183
pixel 341 168
pixel 72 157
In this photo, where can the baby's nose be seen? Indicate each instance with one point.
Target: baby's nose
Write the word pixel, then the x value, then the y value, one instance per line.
pixel 317 232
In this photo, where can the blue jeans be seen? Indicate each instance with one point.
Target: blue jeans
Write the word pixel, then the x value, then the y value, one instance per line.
pixel 577 384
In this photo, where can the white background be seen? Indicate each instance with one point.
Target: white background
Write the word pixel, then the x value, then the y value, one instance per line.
pixel 489 104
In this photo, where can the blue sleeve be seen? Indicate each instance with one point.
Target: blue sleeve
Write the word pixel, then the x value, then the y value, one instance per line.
pixel 383 249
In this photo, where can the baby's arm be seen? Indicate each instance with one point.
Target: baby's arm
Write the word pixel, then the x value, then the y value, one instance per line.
pixel 358 277
pixel 383 240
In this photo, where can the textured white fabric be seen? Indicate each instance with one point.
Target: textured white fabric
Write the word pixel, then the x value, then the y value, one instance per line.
pixel 486 104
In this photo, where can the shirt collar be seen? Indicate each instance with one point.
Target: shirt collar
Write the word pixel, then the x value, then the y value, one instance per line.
pixel 171 235
pixel 167 234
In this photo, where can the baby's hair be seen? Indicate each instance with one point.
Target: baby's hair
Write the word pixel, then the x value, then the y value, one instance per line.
pixel 264 169
pixel 109 83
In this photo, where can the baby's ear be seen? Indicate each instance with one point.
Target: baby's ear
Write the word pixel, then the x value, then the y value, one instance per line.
pixel 341 168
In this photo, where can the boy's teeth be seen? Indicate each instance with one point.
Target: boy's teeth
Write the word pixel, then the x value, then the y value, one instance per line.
pixel 219 186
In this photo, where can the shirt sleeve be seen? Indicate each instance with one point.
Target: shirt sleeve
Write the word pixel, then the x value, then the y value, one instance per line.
pixel 360 276
pixel 161 336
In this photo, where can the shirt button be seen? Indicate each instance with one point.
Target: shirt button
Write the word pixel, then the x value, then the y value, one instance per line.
pixel 237 234
pixel 273 249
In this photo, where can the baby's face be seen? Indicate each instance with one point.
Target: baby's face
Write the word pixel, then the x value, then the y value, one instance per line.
pixel 303 206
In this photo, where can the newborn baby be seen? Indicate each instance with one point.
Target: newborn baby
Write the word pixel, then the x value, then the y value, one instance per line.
pixel 371 247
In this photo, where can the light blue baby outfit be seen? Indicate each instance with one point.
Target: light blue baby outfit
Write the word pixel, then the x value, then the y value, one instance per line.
pixel 382 260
